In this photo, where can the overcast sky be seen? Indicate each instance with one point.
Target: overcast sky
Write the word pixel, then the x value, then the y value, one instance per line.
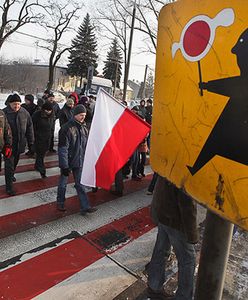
pixel 19 45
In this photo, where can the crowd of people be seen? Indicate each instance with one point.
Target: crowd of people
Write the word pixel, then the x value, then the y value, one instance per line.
pixel 32 126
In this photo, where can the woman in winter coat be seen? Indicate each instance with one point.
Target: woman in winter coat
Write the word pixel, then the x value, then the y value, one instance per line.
pixel 43 124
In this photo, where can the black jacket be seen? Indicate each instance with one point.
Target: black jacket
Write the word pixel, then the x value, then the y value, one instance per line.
pixel 43 125
pixel 65 114
pixel 72 143
pixel 175 209
pixel 21 126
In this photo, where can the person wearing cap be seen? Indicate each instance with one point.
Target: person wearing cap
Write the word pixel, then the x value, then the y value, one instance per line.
pixel 29 104
pixel 56 109
pixel 74 97
pixel 22 132
pixel 66 113
pixel 71 149
pixel 43 123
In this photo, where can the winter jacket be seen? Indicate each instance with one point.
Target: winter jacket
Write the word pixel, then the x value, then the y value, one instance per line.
pixel 5 131
pixel 72 143
pixel 175 209
pixel 31 108
pixel 21 126
pixel 148 115
pixel 65 114
pixel 43 125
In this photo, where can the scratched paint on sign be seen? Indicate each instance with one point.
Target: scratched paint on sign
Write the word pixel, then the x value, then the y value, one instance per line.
pixel 200 116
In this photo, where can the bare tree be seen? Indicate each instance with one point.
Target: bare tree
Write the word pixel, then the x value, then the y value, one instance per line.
pixel 119 14
pixel 15 14
pixel 57 22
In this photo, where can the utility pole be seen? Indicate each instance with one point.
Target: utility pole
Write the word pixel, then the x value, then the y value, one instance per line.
pixel 214 257
pixel 129 54
pixel 144 85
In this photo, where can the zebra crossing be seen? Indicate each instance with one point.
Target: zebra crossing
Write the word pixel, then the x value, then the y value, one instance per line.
pixel 43 251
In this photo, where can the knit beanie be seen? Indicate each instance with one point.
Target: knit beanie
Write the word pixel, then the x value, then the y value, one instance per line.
pixel 79 109
pixel 14 98
pixel 29 97
pixel 47 106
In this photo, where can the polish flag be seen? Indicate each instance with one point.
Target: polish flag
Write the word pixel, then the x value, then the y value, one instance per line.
pixel 114 135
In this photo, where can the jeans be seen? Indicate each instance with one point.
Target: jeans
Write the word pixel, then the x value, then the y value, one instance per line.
pixel 84 202
pixel 185 253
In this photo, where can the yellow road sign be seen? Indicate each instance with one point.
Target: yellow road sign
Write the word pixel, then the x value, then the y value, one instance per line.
pixel 200 116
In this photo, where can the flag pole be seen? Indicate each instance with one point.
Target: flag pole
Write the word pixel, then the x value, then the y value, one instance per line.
pixel 200 76
pixel 129 54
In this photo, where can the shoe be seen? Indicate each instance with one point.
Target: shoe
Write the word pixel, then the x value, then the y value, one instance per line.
pixel 159 295
pixel 43 175
pixel 149 193
pixel 60 207
pixel 94 189
pixel 90 210
pixel 137 178
pixel 13 179
pixel 29 153
pixel 10 192
pixel 143 174
pixel 52 150
pixel 117 193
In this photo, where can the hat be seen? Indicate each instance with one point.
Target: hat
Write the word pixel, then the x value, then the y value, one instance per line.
pixel 70 101
pixel 79 109
pixel 14 98
pixel 47 106
pixel 29 97
pixel 84 99
pixel 50 94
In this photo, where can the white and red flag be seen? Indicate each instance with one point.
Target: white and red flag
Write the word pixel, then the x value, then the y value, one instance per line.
pixel 114 135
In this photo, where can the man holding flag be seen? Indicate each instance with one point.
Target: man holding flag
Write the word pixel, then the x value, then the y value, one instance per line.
pixel 72 142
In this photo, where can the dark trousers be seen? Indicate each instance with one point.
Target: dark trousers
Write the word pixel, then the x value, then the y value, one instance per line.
pixel 119 181
pixel 39 162
pixel 153 182
pixel 135 162
pixel 142 162
pixel 52 138
pixel 10 166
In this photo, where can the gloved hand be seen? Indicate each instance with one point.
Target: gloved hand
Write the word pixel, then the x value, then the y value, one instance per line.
pixel 7 151
pixel 65 171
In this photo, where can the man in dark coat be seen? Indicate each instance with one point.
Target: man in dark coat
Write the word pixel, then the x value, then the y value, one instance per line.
pixel 175 212
pixel 56 110
pixel 72 143
pixel 29 104
pixel 43 124
pixel 66 113
pixel 5 137
pixel 22 132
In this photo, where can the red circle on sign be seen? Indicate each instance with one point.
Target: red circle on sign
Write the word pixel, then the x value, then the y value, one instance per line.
pixel 196 38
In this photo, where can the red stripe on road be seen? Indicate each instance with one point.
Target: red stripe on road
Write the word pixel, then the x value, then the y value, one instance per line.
pixel 33 217
pixel 33 277
pixel 36 275
pixel 34 185
pixel 30 167
pixel 127 133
